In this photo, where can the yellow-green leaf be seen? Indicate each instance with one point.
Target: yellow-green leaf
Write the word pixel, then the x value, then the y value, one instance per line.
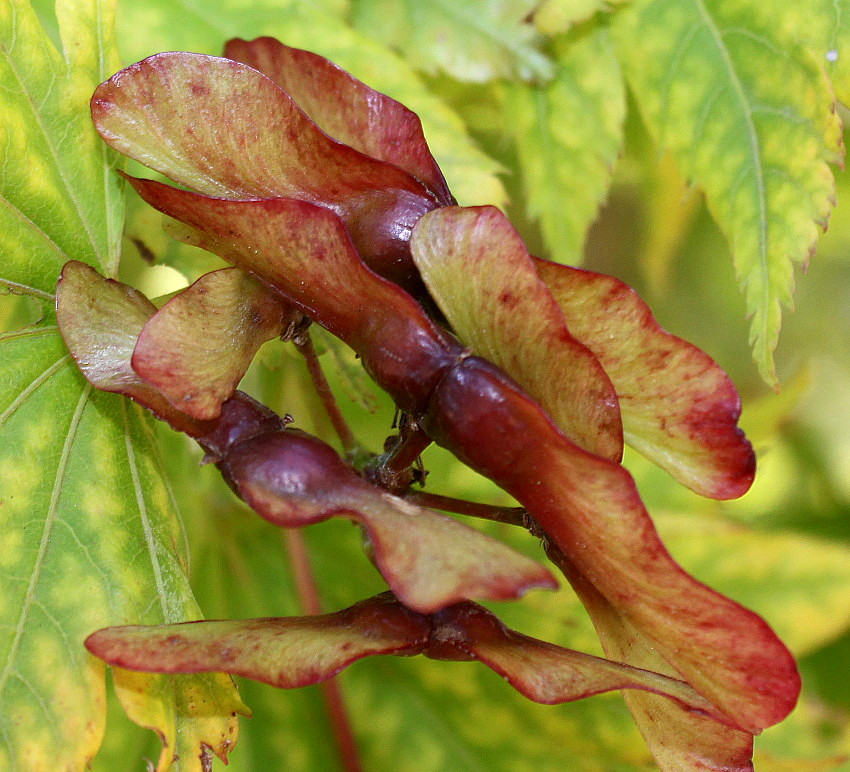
pixel 554 16
pixel 473 41
pixel 194 715
pixel 567 135
pixel 822 26
pixel 90 534
pixel 59 199
pixel 748 114
pixel 90 538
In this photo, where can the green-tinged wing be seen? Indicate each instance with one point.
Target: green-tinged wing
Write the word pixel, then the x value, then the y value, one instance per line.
pixel 142 27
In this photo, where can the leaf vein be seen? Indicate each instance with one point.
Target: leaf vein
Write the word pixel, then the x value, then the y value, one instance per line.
pixel 16 288
pixel 672 71
pixel 47 529
pixel 166 480
pixel 705 112
pixel 754 37
pixel 34 385
pixel 752 139
pixel 28 332
pixel 83 548
pixel 30 225
pixel 141 504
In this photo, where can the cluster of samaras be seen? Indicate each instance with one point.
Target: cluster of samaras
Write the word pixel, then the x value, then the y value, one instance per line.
pixel 324 196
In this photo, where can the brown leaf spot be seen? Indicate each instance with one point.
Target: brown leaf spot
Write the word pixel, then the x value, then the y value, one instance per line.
pixel 508 299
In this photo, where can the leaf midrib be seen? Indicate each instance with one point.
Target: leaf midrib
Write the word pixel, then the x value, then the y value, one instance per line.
pixel 754 145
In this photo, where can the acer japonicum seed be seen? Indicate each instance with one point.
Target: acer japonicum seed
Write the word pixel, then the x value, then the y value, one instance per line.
pixel 325 193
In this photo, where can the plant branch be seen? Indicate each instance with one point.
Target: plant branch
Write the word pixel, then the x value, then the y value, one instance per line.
pixel 508 515
pixel 308 595
pixel 304 343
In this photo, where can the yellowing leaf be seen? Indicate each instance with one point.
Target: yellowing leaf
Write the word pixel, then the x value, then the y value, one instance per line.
pixel 90 534
pixel 473 41
pixel 567 135
pixel 748 115
pixel 90 538
pixel 51 692
pixel 822 26
pixel 194 716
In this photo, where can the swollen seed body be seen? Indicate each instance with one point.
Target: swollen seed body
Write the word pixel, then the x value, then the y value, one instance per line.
pixel 289 477
pixel 380 223
pixel 408 356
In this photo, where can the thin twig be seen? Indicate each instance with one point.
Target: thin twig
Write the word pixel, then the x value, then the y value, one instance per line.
pixel 508 515
pixel 304 343
pixel 308 595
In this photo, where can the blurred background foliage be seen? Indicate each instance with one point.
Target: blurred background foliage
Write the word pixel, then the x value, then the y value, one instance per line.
pixel 783 549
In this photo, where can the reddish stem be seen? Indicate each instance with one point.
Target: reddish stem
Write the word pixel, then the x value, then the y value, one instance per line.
pixel 394 469
pixel 508 515
pixel 308 595
pixel 304 343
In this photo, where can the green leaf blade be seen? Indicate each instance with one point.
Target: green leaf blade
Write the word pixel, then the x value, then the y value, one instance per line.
pixel 474 42
pixel 91 535
pixel 58 198
pixel 554 16
pixel 823 27
pixel 567 134
pixel 90 538
pixel 729 96
pixel 36 662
